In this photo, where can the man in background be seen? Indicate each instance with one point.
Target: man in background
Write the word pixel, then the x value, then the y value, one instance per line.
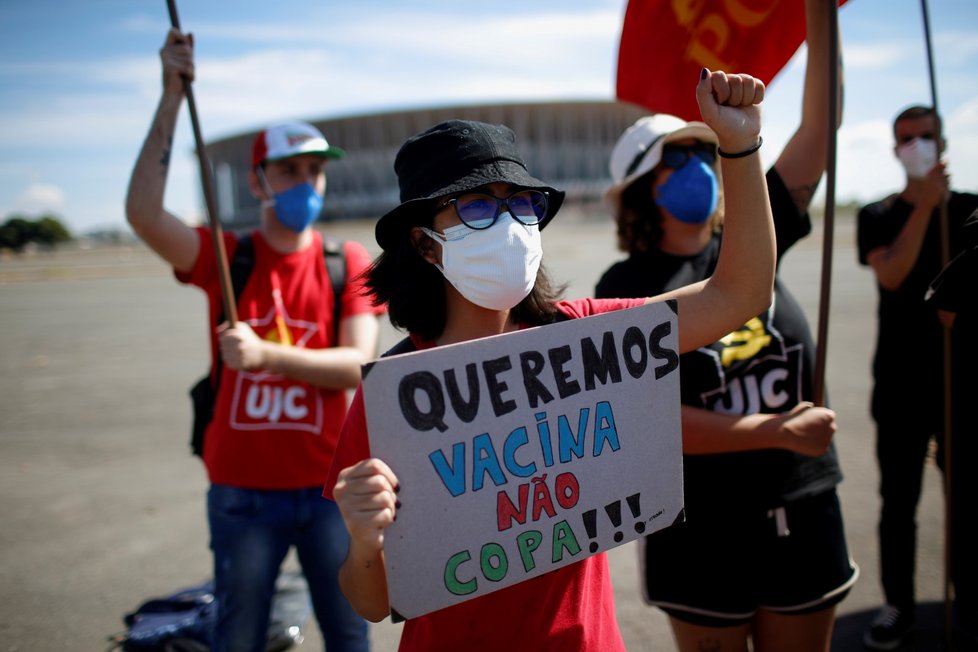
pixel 900 239
pixel 281 371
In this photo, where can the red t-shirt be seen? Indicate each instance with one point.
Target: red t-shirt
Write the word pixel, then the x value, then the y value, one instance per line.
pixel 269 431
pixel 571 608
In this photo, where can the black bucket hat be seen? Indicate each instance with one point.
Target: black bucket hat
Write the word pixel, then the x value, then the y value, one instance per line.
pixel 453 157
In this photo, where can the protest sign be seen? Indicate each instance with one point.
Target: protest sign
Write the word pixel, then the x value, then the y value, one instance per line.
pixel 525 452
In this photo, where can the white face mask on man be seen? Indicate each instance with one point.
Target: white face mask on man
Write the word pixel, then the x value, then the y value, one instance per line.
pixel 918 157
pixel 494 268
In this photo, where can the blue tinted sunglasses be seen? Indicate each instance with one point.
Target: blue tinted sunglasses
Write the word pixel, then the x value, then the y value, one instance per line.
pixel 480 211
pixel 675 156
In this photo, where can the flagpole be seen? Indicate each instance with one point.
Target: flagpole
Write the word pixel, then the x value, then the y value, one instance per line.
pixel 946 332
pixel 227 293
pixel 828 219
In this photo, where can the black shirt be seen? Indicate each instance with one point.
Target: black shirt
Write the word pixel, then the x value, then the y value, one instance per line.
pixel 766 366
pixel 907 365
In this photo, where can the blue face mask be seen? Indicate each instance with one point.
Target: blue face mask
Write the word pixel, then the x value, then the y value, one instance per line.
pixel 690 194
pixel 298 207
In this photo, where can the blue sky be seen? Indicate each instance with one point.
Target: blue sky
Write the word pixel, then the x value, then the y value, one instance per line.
pixel 79 81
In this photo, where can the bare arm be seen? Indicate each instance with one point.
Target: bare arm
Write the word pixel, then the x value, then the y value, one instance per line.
pixel 743 281
pixel 366 496
pixel 803 159
pixel 893 263
pixel 806 430
pixel 333 368
pixel 165 233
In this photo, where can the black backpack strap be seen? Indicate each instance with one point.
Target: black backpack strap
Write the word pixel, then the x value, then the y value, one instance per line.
pixel 241 265
pixel 243 262
pixel 335 255
pixel 204 393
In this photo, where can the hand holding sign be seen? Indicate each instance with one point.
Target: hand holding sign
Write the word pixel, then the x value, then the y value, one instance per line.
pixel 365 494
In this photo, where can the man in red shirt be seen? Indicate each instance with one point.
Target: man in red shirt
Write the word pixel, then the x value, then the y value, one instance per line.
pixel 285 368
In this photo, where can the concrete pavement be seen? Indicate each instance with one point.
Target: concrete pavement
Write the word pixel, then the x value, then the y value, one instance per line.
pixel 103 506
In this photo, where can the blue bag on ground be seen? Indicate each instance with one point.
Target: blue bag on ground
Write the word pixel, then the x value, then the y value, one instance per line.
pixel 184 621
pixel 183 618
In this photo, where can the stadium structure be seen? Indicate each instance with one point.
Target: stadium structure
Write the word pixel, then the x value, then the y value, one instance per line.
pixel 566 144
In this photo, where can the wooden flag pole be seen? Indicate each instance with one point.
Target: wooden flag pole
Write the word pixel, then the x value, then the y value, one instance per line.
pixel 948 400
pixel 227 293
pixel 829 218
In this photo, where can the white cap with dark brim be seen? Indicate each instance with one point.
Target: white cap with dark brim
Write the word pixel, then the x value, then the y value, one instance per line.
pixel 286 139
pixel 639 149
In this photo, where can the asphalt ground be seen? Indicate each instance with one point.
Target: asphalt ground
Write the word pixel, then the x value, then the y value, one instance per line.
pixel 103 506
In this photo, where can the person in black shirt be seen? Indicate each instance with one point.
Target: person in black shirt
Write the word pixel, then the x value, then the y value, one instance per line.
pixel 899 238
pixel 762 555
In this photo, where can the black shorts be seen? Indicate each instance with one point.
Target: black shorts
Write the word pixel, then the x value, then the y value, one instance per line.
pixel 717 570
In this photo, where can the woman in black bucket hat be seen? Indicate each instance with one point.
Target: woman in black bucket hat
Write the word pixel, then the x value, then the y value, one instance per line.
pixel 461 260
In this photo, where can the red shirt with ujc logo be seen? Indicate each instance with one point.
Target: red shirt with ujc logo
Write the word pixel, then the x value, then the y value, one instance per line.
pixel 270 431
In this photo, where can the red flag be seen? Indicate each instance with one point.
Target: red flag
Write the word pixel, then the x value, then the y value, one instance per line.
pixel 665 44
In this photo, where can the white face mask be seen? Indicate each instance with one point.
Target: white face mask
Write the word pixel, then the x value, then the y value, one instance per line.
pixel 494 268
pixel 918 157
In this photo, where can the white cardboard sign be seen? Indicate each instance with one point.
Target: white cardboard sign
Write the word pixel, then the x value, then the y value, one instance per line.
pixel 525 452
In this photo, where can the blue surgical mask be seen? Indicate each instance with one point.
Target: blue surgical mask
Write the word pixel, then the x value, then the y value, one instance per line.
pixel 691 193
pixel 298 207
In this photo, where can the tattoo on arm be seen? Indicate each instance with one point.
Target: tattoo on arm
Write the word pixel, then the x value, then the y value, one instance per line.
pixel 165 155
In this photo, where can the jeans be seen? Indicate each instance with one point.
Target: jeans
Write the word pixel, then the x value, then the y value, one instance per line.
pixel 252 530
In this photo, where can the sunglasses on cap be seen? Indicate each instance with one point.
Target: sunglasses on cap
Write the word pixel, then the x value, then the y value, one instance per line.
pixel 676 156
pixel 480 210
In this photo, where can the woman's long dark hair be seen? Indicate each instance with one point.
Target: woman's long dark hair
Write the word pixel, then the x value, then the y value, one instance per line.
pixel 414 289
pixel 638 219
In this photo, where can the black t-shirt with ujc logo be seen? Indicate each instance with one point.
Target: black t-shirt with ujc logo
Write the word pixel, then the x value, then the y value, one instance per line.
pixel 766 366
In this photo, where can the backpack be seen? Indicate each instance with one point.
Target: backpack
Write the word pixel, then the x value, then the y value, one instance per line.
pixel 184 621
pixel 204 392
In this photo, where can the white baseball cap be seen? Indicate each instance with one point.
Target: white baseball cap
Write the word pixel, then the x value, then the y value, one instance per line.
pixel 639 149
pixel 291 139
